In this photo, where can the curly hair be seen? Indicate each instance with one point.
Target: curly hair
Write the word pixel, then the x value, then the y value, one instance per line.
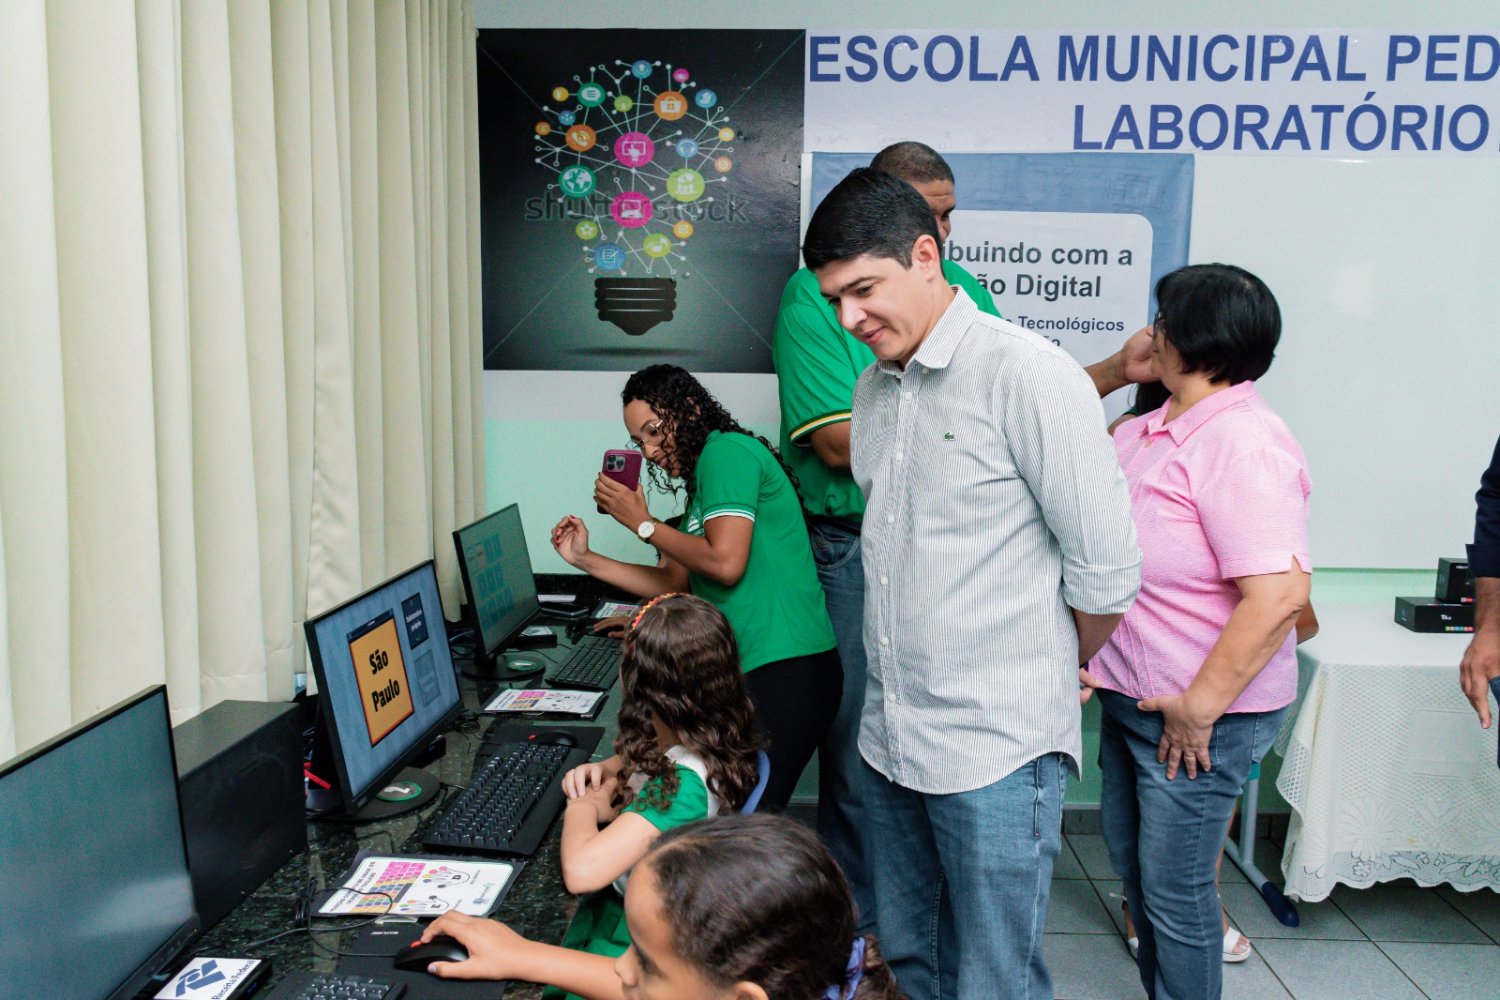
pixel 759 899
pixel 689 413
pixel 681 665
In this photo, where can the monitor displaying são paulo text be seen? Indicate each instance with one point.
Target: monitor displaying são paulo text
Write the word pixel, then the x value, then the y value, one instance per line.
pixel 385 677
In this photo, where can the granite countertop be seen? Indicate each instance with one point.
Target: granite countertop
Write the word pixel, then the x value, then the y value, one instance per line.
pixel 537 905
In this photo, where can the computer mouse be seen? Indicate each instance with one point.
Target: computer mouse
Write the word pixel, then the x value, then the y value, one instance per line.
pixel 440 949
pixel 555 737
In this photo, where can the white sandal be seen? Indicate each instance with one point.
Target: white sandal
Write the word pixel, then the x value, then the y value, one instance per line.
pixel 1232 939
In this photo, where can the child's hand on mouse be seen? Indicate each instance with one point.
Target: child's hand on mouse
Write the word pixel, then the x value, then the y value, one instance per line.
pixel 614 626
pixel 495 951
pixel 580 779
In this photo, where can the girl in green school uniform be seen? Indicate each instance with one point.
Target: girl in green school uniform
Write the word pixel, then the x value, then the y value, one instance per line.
pixel 686 751
pixel 739 908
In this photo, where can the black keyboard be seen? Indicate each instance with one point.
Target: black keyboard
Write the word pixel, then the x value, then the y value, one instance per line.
pixel 593 665
pixel 513 795
pixel 333 986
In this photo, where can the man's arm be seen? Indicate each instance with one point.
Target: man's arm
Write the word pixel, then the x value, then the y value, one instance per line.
pixel 831 444
pixel 1481 662
pixel 1054 425
pixel 1093 632
pixel 815 375
pixel 1127 366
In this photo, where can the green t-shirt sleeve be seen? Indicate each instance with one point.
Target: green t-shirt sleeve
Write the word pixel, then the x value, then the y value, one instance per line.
pixel 815 375
pixel 978 292
pixel 690 803
pixel 728 476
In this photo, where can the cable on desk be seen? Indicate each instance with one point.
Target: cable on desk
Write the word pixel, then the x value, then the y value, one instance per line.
pixel 312 933
pixel 377 833
pixel 467 722
pixel 304 914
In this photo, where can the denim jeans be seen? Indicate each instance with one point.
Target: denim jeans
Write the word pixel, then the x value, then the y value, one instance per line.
pixel 1495 690
pixel 841 780
pixel 1165 836
pixel 962 882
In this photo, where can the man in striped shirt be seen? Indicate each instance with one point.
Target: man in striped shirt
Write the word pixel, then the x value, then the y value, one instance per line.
pixel 816 368
pixel 999 554
pixel 817 364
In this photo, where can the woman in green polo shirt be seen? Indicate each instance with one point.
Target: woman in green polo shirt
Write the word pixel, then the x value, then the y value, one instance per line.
pixel 742 546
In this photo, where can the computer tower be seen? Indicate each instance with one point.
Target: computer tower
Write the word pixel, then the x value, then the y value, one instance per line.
pixel 239 769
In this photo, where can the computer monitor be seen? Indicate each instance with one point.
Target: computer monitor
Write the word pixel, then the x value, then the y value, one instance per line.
pixel 386 691
pixel 496 569
pixel 99 899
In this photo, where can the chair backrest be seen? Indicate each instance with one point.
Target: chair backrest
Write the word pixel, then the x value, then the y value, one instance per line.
pixel 763 764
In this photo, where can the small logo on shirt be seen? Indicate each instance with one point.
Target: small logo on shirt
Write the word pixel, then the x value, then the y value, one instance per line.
pixel 947 435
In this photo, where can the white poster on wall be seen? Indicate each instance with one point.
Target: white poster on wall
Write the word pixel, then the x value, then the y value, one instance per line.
pixel 1076 278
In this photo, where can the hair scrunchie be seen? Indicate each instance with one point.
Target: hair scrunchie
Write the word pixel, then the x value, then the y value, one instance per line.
pixel 853 973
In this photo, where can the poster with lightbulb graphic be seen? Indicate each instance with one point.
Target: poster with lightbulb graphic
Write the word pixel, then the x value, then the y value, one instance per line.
pixel 639 196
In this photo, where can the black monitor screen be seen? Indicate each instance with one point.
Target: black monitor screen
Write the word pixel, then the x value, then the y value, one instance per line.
pixel 96 877
pixel 385 678
pixel 497 575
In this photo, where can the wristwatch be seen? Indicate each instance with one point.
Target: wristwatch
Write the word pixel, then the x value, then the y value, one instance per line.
pixel 646 529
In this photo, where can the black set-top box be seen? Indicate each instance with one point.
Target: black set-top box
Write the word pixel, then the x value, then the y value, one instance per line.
pixel 1454 584
pixel 1428 614
pixel 1449 609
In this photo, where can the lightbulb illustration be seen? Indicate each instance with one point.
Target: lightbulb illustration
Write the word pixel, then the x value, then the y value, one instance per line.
pixel 633 156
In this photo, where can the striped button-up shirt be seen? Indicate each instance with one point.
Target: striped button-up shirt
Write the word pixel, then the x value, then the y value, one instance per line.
pixel 995 504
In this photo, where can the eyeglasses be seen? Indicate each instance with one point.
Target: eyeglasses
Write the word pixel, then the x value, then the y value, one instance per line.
pixel 652 433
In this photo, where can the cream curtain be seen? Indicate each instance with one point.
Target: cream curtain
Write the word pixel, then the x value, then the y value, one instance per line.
pixel 239 335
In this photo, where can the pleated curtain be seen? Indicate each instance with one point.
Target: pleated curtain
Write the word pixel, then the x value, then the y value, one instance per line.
pixel 239 335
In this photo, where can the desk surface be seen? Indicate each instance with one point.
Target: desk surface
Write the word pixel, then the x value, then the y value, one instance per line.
pixel 1367 635
pixel 536 906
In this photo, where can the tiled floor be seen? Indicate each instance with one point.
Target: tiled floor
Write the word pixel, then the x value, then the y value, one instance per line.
pixel 1389 941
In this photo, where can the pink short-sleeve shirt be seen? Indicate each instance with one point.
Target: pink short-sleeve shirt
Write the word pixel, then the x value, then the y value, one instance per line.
pixel 1219 493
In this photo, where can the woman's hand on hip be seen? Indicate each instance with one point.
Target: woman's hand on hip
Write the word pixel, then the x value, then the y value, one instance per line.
pixel 1186 730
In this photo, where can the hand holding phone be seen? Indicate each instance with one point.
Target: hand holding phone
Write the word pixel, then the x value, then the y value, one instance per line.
pixel 624 467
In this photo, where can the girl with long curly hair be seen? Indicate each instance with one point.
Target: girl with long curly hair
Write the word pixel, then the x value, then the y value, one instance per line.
pixel 686 751
pixel 739 908
pixel 742 546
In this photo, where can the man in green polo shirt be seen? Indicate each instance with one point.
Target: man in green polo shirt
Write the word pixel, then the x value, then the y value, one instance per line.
pixel 817 364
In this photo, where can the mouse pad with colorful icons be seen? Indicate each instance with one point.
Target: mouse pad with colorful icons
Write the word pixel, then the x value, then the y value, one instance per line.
pixel 419 886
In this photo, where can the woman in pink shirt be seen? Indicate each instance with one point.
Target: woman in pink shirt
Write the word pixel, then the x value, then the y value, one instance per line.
pixel 1195 680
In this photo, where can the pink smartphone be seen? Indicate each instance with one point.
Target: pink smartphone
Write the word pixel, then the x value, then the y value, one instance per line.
pixel 623 466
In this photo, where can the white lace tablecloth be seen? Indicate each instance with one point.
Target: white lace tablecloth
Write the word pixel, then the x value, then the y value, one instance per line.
pixel 1386 769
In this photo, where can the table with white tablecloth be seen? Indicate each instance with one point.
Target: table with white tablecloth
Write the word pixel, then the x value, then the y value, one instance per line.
pixel 1386 768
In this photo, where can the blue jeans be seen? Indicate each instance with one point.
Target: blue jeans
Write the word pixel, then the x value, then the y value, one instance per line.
pixel 1164 838
pixel 841 780
pixel 962 882
pixel 1495 690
